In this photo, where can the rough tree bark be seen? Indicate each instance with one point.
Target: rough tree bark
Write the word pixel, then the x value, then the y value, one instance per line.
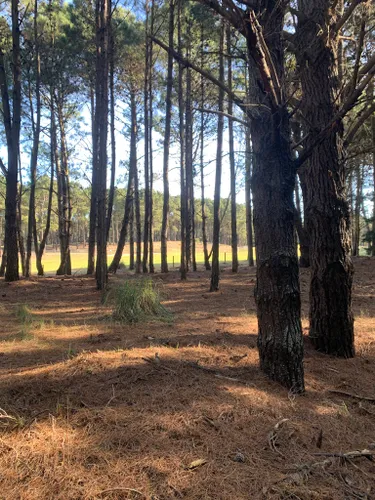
pixel 12 122
pixel 327 212
pixel 103 9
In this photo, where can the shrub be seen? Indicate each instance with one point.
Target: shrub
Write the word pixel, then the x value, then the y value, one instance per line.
pixel 137 300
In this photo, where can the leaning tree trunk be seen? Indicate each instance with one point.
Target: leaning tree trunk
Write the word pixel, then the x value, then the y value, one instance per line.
pixel 129 193
pixel 215 272
pixel 327 212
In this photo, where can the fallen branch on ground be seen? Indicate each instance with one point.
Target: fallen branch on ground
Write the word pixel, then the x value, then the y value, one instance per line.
pixel 354 396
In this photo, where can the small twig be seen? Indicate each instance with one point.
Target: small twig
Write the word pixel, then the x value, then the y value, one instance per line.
pixel 349 455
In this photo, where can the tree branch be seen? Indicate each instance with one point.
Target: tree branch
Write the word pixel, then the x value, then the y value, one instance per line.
pixel 3 168
pixel 349 11
pixel 223 113
pixel 189 64
pixel 358 124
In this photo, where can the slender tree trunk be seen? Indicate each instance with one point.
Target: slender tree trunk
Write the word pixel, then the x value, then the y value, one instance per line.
pixel 101 122
pixel 131 239
pixel 327 215
pixel 31 232
pixel 189 153
pixel 21 244
pixel 137 211
pixel 203 201
pixel 12 122
pixel 167 139
pixel 181 106
pixel 357 212
pixel 111 194
pixel 215 272
pixel 130 190
pixel 43 241
pixel 147 98
pixel 94 188
pixel 232 162
pixel 249 211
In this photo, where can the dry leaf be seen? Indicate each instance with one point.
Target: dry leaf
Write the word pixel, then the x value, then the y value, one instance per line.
pixel 196 463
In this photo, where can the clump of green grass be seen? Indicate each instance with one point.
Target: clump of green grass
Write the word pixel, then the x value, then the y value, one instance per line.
pixel 138 300
pixel 23 314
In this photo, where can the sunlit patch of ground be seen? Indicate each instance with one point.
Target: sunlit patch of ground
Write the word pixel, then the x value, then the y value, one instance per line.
pixel 94 409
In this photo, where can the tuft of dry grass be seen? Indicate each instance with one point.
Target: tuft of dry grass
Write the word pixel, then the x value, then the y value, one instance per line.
pixel 128 414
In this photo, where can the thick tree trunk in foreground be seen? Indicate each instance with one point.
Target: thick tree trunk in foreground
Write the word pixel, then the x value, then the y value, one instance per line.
pixel 215 272
pixel 12 131
pixel 327 212
pixel 277 292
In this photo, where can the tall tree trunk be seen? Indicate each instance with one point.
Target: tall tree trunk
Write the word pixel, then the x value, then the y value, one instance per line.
pixel 357 212
pixel 101 122
pixel 94 188
pixel 249 211
pixel 63 188
pixel 147 98
pixel 111 194
pixel 167 140
pixel 232 164
pixel 207 264
pixel 137 211
pixel 43 241
pixel 31 231
pixel 181 106
pixel 130 190
pixel 188 152
pixel 215 272
pixel 12 122
pixel 327 215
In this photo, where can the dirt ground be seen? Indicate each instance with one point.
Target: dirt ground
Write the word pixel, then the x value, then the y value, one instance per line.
pixel 91 409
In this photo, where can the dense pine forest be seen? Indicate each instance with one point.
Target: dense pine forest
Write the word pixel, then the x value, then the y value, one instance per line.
pixel 176 163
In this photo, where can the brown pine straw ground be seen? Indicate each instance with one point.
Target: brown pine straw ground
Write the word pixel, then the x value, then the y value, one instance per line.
pixel 85 416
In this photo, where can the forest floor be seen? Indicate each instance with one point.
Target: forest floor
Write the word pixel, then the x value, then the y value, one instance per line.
pixel 89 412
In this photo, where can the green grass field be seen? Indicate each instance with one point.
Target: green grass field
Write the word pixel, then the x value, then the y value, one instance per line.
pixel 51 259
